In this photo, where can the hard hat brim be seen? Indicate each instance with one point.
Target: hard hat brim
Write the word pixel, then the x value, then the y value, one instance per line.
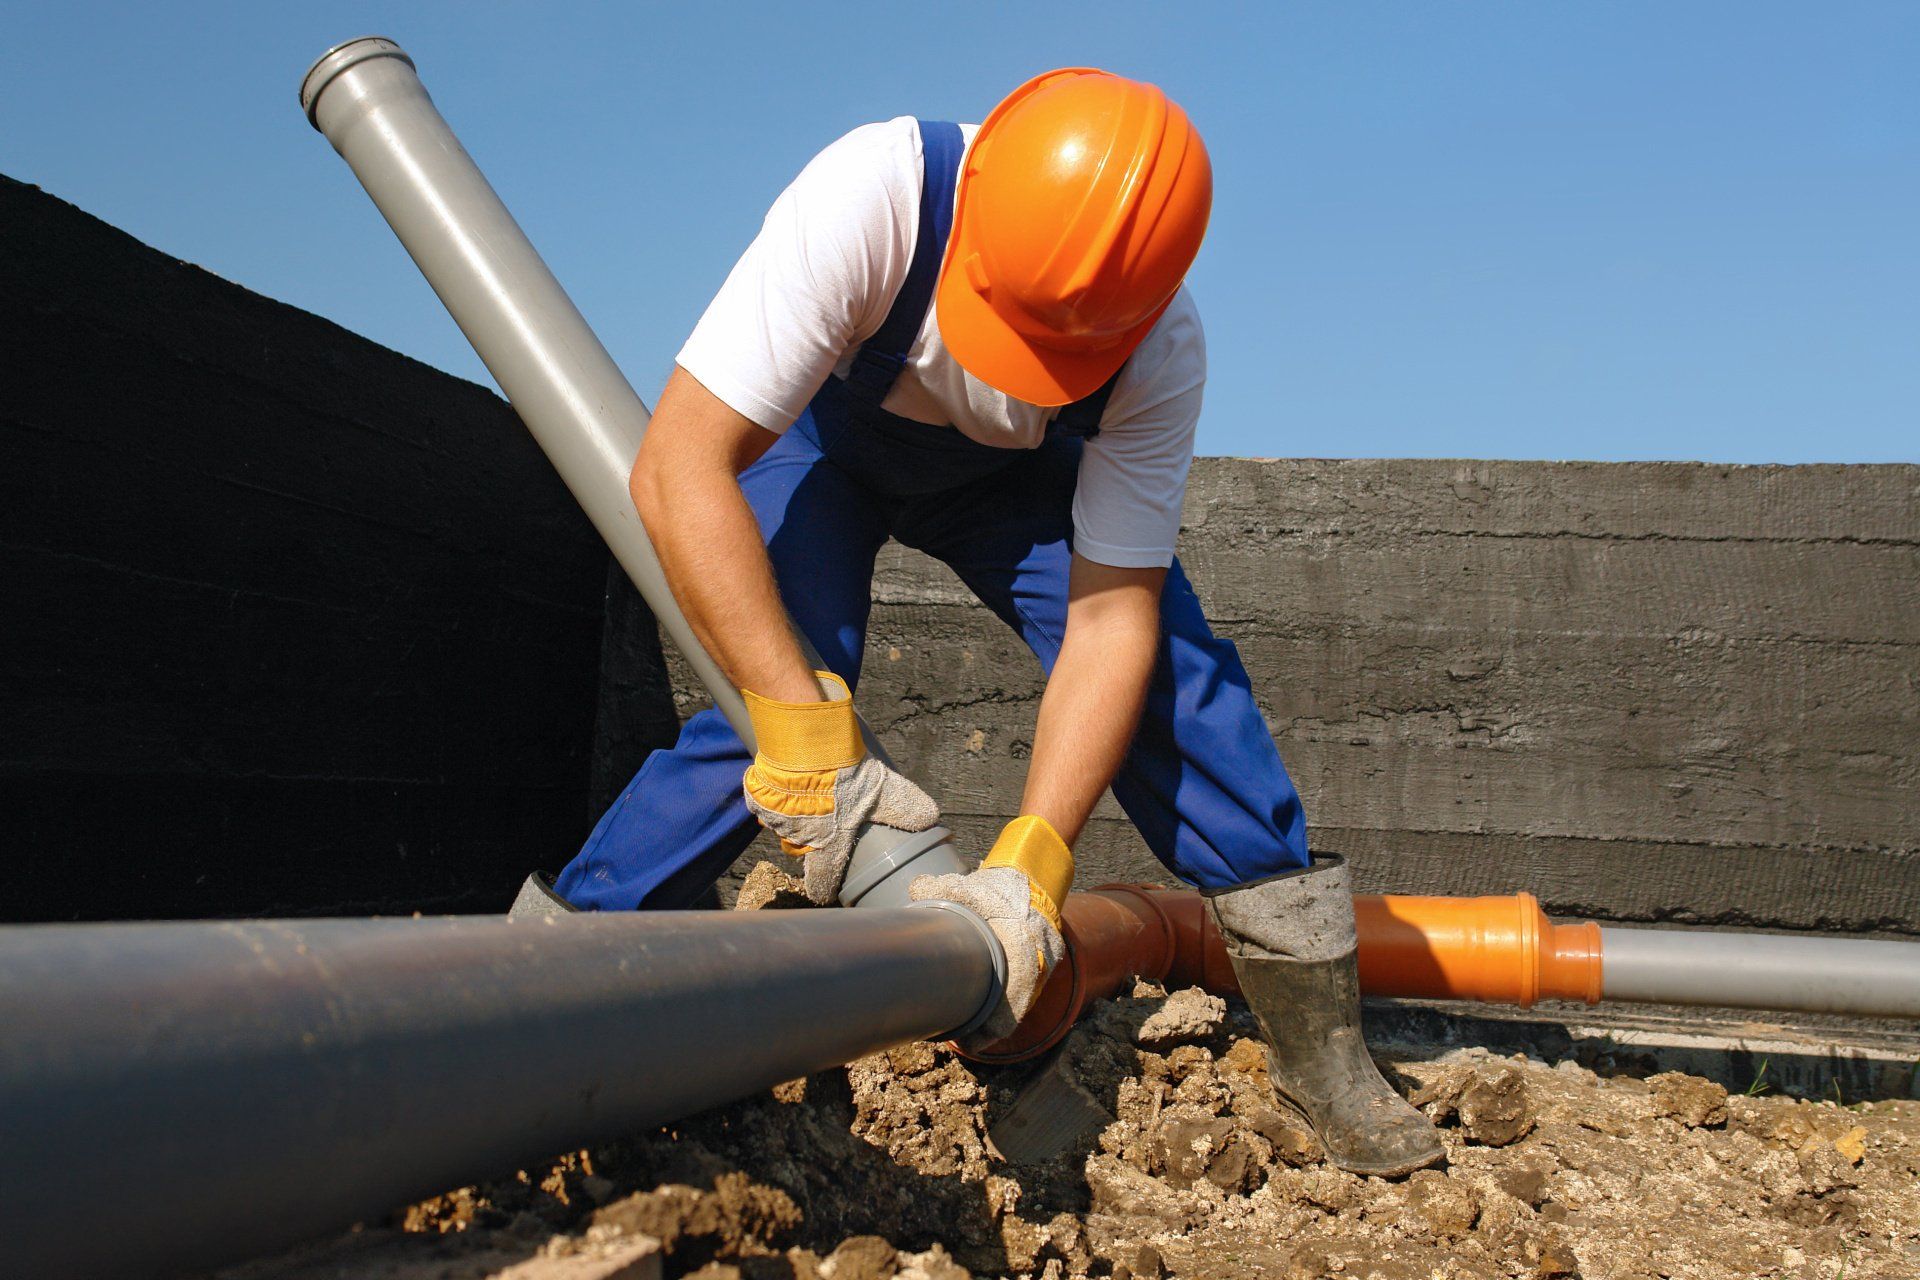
pixel 980 335
pixel 1004 358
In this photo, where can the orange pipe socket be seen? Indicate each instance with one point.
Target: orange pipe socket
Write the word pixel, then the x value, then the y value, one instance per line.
pixel 1494 949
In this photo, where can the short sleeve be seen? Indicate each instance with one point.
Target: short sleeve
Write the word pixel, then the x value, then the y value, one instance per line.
pixel 1133 474
pixel 816 281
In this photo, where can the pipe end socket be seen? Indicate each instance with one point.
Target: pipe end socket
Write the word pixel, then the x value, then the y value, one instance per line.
pixel 330 64
pixel 885 861
pixel 994 949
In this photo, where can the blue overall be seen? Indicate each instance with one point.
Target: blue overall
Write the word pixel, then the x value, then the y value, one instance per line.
pixel 1202 780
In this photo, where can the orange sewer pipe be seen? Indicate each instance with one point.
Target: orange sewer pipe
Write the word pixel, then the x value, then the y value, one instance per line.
pixel 1495 949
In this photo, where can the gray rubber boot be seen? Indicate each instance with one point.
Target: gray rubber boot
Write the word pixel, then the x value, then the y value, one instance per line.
pixel 537 901
pixel 1292 943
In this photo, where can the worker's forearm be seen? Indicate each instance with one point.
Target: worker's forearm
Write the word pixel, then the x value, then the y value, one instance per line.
pixel 709 544
pixel 1090 710
pixel 688 496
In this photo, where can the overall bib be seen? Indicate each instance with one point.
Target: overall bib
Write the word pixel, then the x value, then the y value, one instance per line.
pixel 1202 780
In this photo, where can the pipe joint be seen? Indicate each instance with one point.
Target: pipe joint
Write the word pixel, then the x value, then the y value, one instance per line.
pixel 338 59
pixel 998 987
pixel 886 861
pixel 1113 934
pixel 1501 949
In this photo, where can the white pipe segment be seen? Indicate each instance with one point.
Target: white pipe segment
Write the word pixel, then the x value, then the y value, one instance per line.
pixel 1859 976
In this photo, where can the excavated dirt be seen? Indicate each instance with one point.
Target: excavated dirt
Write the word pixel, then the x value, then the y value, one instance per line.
pixel 1148 1146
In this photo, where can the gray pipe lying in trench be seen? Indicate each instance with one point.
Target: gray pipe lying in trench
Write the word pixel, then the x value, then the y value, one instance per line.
pixel 366 98
pixel 183 1095
pixel 179 1096
pixel 1863 977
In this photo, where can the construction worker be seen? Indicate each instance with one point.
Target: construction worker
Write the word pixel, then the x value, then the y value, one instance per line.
pixel 977 341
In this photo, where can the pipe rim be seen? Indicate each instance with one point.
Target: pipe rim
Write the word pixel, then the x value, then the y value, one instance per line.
pixel 1076 1005
pixel 1069 1016
pixel 1529 925
pixel 995 949
pixel 1595 959
pixel 348 53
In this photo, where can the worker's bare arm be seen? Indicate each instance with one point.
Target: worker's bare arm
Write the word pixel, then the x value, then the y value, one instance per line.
pixel 685 485
pixel 1093 699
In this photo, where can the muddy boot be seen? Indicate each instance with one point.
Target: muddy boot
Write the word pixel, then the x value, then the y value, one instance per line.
pixel 1291 940
pixel 537 900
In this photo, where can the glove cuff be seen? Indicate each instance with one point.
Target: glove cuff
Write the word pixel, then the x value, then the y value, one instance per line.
pixel 808 737
pixel 1031 846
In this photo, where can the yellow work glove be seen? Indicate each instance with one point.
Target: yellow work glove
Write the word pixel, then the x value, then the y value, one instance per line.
pixel 814 785
pixel 1018 890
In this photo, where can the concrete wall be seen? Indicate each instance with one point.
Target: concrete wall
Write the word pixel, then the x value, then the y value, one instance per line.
pixel 293 623
pixel 289 623
pixel 1643 691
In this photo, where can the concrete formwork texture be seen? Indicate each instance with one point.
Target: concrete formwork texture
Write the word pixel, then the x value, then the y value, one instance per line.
pixel 1643 691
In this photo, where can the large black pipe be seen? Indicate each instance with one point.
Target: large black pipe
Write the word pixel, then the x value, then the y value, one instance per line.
pixel 178 1096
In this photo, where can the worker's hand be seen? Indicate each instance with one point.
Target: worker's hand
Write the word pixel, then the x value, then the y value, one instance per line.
pixel 1017 890
pixel 814 785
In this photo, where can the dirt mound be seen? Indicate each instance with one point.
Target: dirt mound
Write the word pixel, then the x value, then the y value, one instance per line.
pixel 1149 1145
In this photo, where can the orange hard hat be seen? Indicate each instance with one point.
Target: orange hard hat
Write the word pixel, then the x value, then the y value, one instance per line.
pixel 1082 203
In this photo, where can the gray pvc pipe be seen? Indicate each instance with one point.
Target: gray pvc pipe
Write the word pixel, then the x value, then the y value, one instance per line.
pixel 177 1096
pixel 366 98
pixel 1859 976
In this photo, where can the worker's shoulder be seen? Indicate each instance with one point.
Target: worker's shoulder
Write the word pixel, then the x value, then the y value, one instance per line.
pixel 887 153
pixel 1173 356
pixel 863 187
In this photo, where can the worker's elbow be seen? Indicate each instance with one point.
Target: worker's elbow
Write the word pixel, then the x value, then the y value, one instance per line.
pixel 644 487
pixel 1124 612
pixel 1121 632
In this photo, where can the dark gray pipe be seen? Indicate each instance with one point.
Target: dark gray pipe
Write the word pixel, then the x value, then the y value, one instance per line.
pixel 177 1096
pixel 367 100
pixel 1863 977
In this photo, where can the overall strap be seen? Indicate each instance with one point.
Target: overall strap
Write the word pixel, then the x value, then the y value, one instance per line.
pixel 881 357
pixel 1082 417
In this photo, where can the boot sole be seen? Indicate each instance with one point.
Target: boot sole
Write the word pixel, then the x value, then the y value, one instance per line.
pixel 1401 1170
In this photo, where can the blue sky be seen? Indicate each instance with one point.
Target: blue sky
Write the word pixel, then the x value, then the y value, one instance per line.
pixel 1540 230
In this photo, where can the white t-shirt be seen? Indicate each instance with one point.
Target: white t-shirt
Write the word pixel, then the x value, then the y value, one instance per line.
pixel 819 280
